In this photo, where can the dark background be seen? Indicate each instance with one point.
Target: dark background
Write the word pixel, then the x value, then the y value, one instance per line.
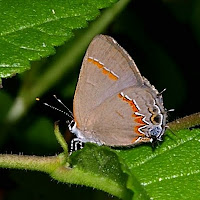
pixel 163 39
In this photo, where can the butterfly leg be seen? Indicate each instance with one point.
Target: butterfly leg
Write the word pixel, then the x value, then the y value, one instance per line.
pixel 76 144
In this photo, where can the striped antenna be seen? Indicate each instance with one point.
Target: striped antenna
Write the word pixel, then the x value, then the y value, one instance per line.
pixel 46 104
pixel 64 105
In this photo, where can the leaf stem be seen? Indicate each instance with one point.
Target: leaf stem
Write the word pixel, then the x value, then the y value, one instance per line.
pixel 185 122
pixel 35 163
pixel 59 170
pixel 60 138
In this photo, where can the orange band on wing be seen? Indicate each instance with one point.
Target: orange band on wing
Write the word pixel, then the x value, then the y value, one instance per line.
pixel 99 65
pixel 105 71
pixel 136 116
pixel 113 77
pixel 110 75
pixel 130 102
pixel 138 119
pixel 134 140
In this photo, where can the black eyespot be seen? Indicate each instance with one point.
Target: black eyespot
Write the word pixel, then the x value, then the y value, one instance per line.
pixel 157 119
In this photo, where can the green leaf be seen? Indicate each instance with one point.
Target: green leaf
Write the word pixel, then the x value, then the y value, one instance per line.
pixel 102 168
pixel 171 171
pixel 29 30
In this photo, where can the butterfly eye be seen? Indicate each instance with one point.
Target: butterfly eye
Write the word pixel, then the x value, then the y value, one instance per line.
pixel 71 125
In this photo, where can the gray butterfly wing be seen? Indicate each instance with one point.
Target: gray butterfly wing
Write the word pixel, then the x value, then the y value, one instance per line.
pixel 106 70
pixel 123 119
